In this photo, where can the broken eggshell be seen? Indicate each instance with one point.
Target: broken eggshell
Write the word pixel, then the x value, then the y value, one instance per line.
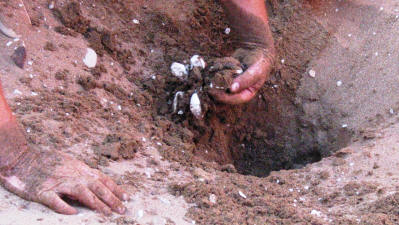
pixel 197 61
pixel 195 106
pixel 179 70
pixel 178 96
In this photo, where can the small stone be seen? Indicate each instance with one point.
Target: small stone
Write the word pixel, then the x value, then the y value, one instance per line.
pixel 212 198
pixel 17 92
pixel 312 73
pixel 136 21
pixel 90 59
pixel 227 30
pixel 339 83
pixel 19 56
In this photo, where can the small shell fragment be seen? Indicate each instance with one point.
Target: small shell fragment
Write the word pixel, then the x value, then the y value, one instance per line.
pixel 212 198
pixel 197 61
pixel 195 106
pixel 179 70
pixel 242 194
pixel 90 59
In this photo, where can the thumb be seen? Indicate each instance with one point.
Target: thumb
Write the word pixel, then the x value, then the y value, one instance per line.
pixel 258 71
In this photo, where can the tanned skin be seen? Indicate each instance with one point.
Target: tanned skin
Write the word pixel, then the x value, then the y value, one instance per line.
pixel 45 176
pixel 249 20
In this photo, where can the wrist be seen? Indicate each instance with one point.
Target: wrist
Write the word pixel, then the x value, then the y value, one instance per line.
pixel 249 20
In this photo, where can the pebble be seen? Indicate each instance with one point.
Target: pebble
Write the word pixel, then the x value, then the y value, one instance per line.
pixel 339 83
pixel 312 73
pixel 17 92
pixel 227 30
pixel 90 59
pixel 212 198
pixel 315 212
pixel 136 21
pixel 19 56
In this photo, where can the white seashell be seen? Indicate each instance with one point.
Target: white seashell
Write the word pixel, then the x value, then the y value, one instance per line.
pixel 178 95
pixel 8 31
pixel 195 106
pixel 178 69
pixel 90 59
pixel 197 61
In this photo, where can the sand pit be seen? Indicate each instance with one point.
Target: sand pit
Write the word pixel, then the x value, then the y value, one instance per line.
pixel 316 146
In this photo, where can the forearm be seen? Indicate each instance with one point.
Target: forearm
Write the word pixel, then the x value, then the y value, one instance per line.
pixel 12 138
pixel 5 112
pixel 249 20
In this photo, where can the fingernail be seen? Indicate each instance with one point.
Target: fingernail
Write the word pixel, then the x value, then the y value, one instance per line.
pixel 235 86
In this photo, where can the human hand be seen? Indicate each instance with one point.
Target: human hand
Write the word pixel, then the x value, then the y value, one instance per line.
pixel 249 21
pixel 46 176
pixel 245 86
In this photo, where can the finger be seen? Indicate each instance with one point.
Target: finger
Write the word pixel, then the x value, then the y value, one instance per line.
pixel 87 198
pixel 118 191
pixel 238 98
pixel 233 99
pixel 107 197
pixel 258 71
pixel 54 202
